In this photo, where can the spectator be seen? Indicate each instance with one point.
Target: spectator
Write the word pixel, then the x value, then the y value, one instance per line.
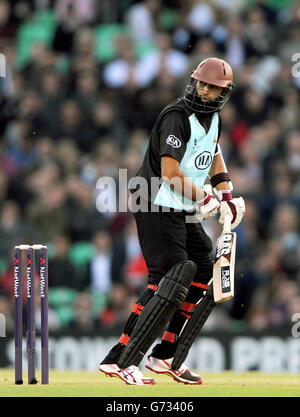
pixel 83 320
pixel 85 218
pixel 141 19
pixel 235 46
pixel 67 156
pixel 107 123
pixel 127 71
pixel 83 10
pixel 201 17
pixel 49 212
pixel 259 37
pixel 101 279
pixel 117 308
pixel 13 228
pixel 71 16
pixel 7 311
pixel 52 95
pixel 164 59
pixel 61 270
pixel 72 125
pixel 286 220
pixel 7 26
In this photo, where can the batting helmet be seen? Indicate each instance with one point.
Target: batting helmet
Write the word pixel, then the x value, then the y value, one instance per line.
pixel 213 71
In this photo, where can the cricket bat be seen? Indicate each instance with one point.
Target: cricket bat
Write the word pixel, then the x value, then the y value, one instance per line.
pixel 223 270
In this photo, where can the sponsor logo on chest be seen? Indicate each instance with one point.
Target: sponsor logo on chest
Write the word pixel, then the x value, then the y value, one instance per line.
pixel 203 160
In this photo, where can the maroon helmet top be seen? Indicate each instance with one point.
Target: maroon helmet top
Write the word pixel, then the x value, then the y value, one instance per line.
pixel 214 71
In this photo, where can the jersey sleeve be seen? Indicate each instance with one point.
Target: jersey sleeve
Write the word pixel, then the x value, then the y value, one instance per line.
pixel 218 148
pixel 174 135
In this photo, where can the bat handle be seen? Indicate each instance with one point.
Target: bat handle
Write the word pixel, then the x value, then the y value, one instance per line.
pixel 227 224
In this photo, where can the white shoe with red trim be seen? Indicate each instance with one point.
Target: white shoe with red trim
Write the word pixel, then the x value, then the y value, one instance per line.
pixel 183 374
pixel 131 375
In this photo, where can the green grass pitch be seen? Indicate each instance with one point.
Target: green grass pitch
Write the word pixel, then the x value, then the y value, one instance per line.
pixel 95 384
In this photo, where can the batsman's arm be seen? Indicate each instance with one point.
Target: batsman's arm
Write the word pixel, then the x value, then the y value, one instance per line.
pixel 180 183
pixel 220 181
pixel 206 204
pixel 218 172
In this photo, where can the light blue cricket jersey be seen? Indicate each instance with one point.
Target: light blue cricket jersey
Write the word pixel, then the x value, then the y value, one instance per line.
pixel 195 164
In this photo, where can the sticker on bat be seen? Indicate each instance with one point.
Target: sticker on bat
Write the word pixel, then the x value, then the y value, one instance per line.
pixel 225 278
pixel 224 245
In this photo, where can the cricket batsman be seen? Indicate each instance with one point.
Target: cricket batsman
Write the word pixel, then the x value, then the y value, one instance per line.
pixel 183 152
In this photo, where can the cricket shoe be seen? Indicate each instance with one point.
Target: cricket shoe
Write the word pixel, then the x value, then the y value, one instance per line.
pixel 131 375
pixel 183 374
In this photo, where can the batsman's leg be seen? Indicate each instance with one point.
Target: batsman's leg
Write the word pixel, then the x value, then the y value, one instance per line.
pixel 200 248
pixel 167 348
pixel 193 328
pixel 170 295
pixel 168 356
pixel 115 353
pixel 162 237
pixel 132 375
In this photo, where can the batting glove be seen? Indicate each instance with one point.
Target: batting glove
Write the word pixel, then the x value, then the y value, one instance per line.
pixel 207 207
pixel 234 207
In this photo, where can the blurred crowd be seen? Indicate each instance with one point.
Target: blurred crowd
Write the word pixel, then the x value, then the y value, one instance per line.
pixel 85 81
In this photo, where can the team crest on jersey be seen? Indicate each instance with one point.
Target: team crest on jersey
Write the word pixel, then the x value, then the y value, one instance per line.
pixel 173 141
pixel 196 144
pixel 203 160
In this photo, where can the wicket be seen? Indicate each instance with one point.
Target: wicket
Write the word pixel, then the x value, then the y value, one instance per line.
pixel 30 334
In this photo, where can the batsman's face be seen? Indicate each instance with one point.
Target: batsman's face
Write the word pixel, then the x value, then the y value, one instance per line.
pixel 208 92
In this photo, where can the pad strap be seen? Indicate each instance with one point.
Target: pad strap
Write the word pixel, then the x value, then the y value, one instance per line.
pixel 198 284
pixel 124 339
pixel 153 287
pixel 137 308
pixel 170 337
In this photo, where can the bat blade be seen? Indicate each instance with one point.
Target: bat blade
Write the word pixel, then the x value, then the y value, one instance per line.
pixel 223 270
